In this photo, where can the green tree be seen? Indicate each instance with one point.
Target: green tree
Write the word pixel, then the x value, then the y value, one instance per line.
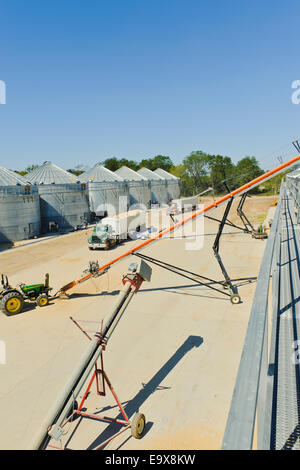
pixel 162 161
pixel 129 163
pixel 78 169
pixel 111 163
pixel 222 173
pixel 247 169
pixel 114 163
pixel 31 168
pixel 159 161
pixel 27 170
pixel 186 181
pixel 197 168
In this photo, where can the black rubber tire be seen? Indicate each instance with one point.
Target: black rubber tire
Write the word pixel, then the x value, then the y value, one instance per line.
pixel 138 424
pixel 9 298
pixel 42 300
pixel 235 299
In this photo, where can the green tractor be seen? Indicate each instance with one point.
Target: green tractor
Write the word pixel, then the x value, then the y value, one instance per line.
pixel 12 298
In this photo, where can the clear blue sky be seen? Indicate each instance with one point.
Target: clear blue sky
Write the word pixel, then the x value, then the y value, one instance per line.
pixel 92 79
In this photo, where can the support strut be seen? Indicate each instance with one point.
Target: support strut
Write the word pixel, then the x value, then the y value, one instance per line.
pixel 235 298
pixel 248 226
pixel 197 278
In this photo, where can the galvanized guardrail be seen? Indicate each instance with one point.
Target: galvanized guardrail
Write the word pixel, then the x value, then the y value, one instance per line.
pixel 293 185
pixel 249 406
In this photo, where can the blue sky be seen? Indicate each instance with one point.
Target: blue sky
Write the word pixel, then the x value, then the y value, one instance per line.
pixel 88 80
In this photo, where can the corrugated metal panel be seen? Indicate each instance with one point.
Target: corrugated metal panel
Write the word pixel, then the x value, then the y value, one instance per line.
pixel 129 174
pixel 150 175
pixel 108 193
pixel 159 191
pixel 64 204
pixel 173 183
pixel 108 197
pixel 10 178
pixel 19 213
pixel 138 187
pixel 49 173
pixel 165 174
pixel 98 174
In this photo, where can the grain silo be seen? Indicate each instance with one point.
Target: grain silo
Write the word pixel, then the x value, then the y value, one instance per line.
pixel 19 208
pixel 63 198
pixel 158 185
pixel 108 192
pixel 173 183
pixel 138 187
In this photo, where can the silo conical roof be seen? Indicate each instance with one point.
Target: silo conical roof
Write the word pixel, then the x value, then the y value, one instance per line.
pixel 10 178
pixel 165 174
pixel 150 175
pixel 129 174
pixel 99 174
pixel 49 173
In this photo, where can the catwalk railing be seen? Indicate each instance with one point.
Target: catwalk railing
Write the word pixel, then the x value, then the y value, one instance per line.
pixel 248 405
pixel 265 408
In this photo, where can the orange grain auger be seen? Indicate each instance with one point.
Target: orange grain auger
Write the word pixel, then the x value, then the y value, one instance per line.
pixel 228 197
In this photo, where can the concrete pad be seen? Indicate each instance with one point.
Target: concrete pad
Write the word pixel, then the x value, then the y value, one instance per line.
pixel 174 355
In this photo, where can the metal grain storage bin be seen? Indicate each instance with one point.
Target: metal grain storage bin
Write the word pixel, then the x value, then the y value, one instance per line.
pixel 158 185
pixel 108 192
pixel 173 183
pixel 49 173
pixel 138 187
pixel 63 206
pixel 63 199
pixel 19 208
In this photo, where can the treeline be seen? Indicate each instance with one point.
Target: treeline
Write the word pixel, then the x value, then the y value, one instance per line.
pixel 198 171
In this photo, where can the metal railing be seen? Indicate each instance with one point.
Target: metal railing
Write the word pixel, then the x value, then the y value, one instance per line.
pixel 249 407
pixel 293 186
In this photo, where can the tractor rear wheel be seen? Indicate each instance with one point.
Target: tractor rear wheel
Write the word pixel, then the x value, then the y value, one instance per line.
pixel 12 303
pixel 42 300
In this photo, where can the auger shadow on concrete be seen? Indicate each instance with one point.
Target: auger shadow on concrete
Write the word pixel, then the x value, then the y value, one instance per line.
pixel 132 406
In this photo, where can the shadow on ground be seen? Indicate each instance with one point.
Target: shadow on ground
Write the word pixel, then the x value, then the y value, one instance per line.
pixel 133 406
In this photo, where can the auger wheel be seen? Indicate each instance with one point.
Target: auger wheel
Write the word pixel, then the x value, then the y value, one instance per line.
pixel 138 423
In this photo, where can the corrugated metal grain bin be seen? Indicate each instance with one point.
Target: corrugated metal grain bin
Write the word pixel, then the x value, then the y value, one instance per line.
pixel 63 201
pixel 108 192
pixel 19 208
pixel 173 183
pixel 158 185
pixel 138 187
pixel 49 173
pixel 63 206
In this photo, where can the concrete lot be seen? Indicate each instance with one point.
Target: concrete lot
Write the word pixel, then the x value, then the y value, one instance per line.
pixel 174 355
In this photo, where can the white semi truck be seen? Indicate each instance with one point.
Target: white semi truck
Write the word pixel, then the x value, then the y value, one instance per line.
pixel 111 230
pixel 186 203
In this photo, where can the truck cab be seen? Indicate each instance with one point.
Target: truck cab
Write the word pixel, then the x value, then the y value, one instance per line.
pixel 102 237
pixel 172 208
